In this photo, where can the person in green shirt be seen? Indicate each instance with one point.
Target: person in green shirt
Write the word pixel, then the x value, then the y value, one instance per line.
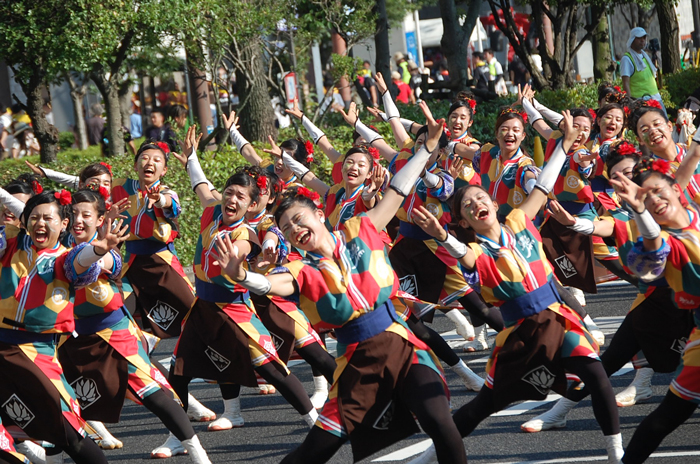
pixel 402 63
pixel 637 70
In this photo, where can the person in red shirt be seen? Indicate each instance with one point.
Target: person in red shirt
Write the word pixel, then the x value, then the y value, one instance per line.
pixel 405 91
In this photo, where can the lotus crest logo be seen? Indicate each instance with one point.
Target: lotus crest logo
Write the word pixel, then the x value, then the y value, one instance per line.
pixel 566 266
pixel 679 345
pixel 277 340
pixel 540 378
pixel 409 284
pixel 59 295
pixel 163 315
pixel 18 411
pixel 572 182
pixel 86 392
pixel 217 359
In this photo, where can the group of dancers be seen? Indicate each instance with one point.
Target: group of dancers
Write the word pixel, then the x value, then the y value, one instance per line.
pixel 284 260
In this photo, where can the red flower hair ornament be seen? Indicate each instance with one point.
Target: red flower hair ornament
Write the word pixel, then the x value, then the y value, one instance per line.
pixel 63 197
pixel 662 166
pixel 313 196
pixel 36 187
pixel 163 146
pixel 593 113
pixel 508 110
pixel 627 149
pixel 262 182
pixel 374 153
pixel 309 151
pixel 652 103
pixel 447 131
pixel 109 168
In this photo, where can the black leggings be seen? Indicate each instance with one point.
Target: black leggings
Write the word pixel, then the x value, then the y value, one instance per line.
pixel 622 348
pixel 424 394
pixel 228 390
pixel 481 313
pixel 288 385
pixel 670 414
pixel 170 414
pixel 81 449
pixel 433 339
pixel 588 370
pixel 615 266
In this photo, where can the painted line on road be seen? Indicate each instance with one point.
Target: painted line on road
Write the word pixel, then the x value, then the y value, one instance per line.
pixel 598 458
pixel 526 406
pixel 407 452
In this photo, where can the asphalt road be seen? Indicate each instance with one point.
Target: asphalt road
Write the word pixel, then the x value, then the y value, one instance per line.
pixel 272 428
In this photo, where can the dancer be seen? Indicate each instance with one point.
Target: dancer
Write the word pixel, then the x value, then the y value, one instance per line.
pixel 654 330
pixel 33 385
pixel 668 249
pixel 108 356
pixel 544 338
pixel 353 267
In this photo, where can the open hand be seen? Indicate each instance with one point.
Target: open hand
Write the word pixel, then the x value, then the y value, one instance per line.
pixel 630 192
pixel 230 121
pixel 560 214
pixel 35 169
pixel 456 166
pixel 381 83
pixel 108 239
pixel 274 150
pixel 228 259
pixel 351 116
pixel 429 223
pixel 295 111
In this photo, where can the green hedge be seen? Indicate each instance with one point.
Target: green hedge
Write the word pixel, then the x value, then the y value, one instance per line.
pixel 681 84
pixel 219 165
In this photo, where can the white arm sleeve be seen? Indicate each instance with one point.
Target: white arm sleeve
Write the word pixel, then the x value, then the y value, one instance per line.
pixel 72 182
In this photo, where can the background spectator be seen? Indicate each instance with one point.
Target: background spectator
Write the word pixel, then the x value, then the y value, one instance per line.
pixel 95 124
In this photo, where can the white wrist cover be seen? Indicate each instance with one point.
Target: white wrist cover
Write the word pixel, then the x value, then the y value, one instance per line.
pixel 550 115
pixel 366 133
pixel 268 244
pixel 548 176
pixel 161 201
pixel 88 256
pixel 404 180
pixel 389 106
pixel 532 113
pixel 367 195
pixel 311 128
pixel 237 138
pixel 454 247
pixel 430 180
pixel 297 168
pixel 407 124
pixel 529 185
pixel 646 225
pixel 384 117
pixel 451 147
pixel 194 170
pixel 256 283
pixel 582 226
pixel 62 178
pixel 13 204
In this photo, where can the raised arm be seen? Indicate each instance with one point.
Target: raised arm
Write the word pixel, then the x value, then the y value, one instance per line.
pixel 599 228
pixel 548 177
pixel 403 181
pixel 392 112
pixel 108 239
pixel 690 162
pixel 72 182
pixel 634 195
pixel 304 174
pixel 243 145
pixel 317 135
pixel 535 112
pixel 205 190
pixel 454 247
pixel 371 137
pixel 13 204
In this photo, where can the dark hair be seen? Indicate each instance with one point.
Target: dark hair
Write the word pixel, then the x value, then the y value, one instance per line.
pixel 505 115
pixel 605 109
pixel 177 111
pixel 274 186
pixel 478 55
pixel 247 176
pixel 152 144
pixel 644 170
pixel 22 184
pixel 158 110
pixel 91 195
pixel 298 149
pixel 640 110
pixel 47 196
pixel 456 201
pixel 614 155
pixel 290 198
pixel 443 137
pixel 604 89
pixel 488 50
pixel 364 151
pixel 462 101
pixel 581 112
pixel 94 170
pixel 356 135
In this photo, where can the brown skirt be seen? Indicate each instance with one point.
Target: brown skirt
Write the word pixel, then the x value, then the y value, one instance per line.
pixel 367 394
pixel 29 399
pixel 214 347
pixel 163 296
pixel 280 326
pixel 661 329
pixel 529 364
pixel 91 363
pixel 571 255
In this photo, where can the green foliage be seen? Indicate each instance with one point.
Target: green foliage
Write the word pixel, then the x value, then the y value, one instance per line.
pixel 344 66
pixel 65 140
pixel 681 84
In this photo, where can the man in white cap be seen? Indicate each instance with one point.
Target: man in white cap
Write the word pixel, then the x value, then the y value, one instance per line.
pixel 637 70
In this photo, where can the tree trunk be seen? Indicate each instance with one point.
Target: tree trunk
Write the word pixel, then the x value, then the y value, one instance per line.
pixel 340 48
pixel 455 40
pixel 644 16
pixel 125 102
pixel 77 94
pixel 109 89
pixel 256 116
pixel 200 100
pixel 381 42
pixel 602 62
pixel 668 25
pixel 45 133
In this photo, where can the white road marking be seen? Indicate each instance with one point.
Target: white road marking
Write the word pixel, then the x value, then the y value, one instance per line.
pixel 598 458
pixel 526 406
pixel 407 452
